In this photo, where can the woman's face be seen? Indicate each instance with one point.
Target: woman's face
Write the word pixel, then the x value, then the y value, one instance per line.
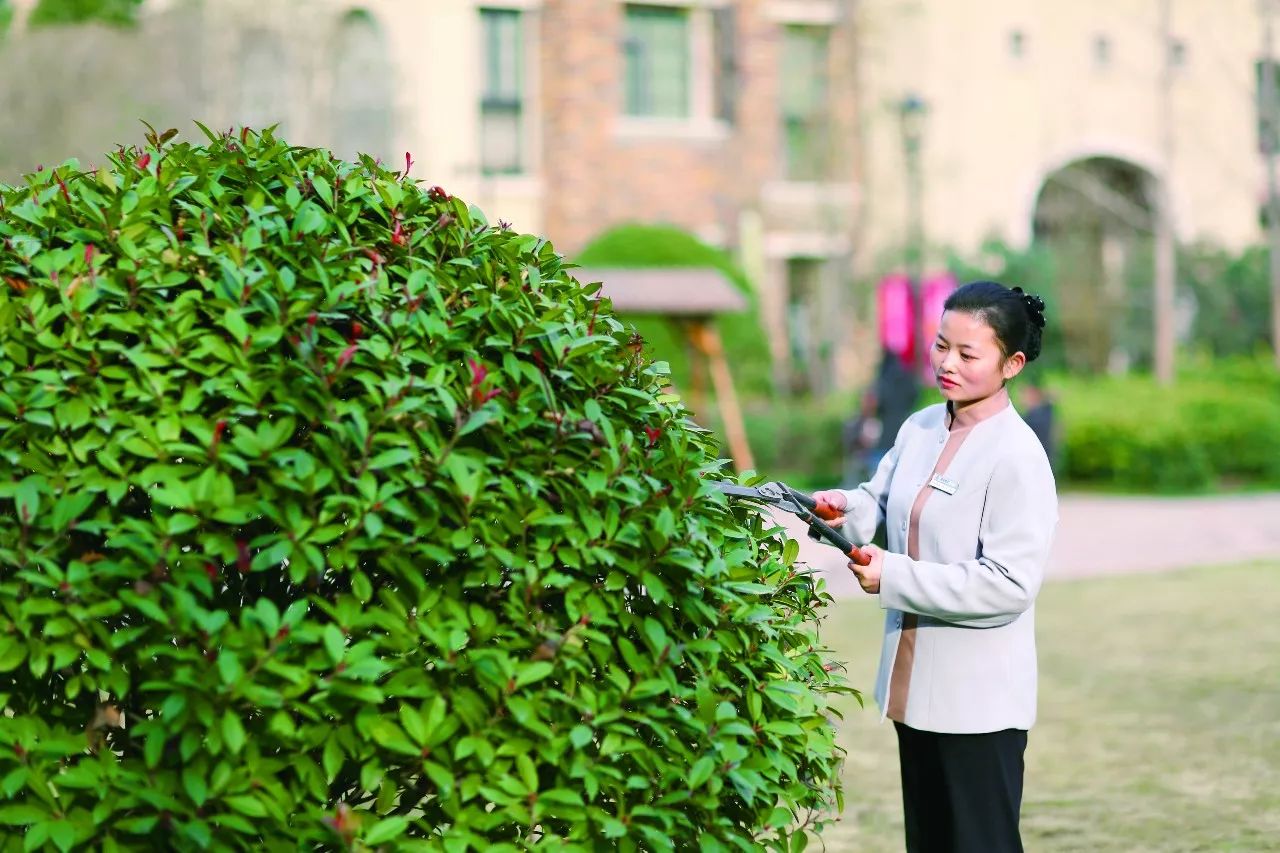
pixel 967 360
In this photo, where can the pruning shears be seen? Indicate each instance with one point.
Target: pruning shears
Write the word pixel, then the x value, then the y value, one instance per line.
pixel 800 505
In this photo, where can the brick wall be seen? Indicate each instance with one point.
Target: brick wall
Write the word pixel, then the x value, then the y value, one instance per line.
pixel 598 176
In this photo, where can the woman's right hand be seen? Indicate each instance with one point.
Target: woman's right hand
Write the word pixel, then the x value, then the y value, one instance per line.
pixel 832 504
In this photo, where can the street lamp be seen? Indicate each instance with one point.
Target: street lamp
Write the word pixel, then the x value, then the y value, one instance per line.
pixel 912 112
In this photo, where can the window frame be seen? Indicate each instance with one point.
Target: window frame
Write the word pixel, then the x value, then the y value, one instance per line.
pixel 1102 49
pixel 514 104
pixel 817 12
pixel 638 96
pixel 817 121
pixel 707 117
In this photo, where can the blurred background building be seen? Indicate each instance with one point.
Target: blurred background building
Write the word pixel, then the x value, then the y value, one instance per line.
pixel 1108 153
pixel 1028 104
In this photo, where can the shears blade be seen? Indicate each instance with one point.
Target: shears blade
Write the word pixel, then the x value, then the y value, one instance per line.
pixel 736 491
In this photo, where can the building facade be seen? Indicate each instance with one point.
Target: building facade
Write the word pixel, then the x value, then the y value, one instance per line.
pixel 776 129
pixel 1015 92
pixel 731 119
pixel 771 128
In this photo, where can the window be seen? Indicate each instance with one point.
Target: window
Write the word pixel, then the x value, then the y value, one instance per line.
pixel 1268 105
pixel 806 102
pixel 362 90
pixel 657 62
pixel 680 69
pixel 502 96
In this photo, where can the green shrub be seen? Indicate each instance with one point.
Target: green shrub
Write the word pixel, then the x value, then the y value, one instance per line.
pixel 800 442
pixel 1133 452
pixel 55 12
pixel 1219 424
pixel 332 516
pixel 667 246
pixel 1232 297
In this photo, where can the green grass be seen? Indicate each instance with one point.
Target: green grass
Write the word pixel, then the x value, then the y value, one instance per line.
pixel 1159 722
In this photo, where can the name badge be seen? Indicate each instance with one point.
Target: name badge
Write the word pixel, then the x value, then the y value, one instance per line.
pixel 942 484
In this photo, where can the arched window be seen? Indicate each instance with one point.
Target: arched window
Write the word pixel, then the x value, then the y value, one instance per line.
pixel 363 89
pixel 265 85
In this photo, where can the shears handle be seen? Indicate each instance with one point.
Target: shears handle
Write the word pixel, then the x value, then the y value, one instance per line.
pixel 821 528
pixel 822 509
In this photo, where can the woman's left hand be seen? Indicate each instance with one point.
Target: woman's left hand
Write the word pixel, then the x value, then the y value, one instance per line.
pixel 869 575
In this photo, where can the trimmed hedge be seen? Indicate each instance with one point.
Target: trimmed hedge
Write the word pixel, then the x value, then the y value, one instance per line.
pixel 1218 425
pixel 331 516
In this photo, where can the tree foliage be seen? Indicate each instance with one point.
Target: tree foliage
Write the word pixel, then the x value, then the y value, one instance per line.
pixel 1230 295
pixel 331 515
pixel 55 12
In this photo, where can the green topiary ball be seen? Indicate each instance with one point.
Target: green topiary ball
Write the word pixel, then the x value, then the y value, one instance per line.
pixel 332 516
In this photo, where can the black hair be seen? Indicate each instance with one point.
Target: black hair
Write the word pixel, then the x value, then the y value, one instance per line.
pixel 1016 317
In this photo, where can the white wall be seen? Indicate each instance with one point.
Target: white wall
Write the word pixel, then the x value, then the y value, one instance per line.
pixel 998 125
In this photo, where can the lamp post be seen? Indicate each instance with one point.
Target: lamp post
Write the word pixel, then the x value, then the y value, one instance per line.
pixel 1271 121
pixel 912 112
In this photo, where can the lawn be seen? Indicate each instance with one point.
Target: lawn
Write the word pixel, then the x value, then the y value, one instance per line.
pixel 1159 723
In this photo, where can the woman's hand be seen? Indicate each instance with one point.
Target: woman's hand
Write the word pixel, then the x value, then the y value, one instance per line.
pixel 831 506
pixel 869 575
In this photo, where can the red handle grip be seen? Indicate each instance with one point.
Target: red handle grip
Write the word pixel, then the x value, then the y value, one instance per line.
pixel 826 511
pixel 820 530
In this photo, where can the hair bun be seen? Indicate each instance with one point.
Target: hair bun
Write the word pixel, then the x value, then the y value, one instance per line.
pixel 1034 305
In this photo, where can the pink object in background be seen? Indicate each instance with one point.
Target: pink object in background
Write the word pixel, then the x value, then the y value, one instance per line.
pixel 895 306
pixel 935 292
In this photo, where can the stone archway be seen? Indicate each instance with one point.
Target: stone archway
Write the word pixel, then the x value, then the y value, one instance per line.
pixel 1096 218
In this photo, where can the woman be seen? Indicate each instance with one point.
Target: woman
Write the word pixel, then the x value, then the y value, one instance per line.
pixel 970 506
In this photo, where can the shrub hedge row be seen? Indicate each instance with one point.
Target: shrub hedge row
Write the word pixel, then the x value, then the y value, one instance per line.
pixel 1217 426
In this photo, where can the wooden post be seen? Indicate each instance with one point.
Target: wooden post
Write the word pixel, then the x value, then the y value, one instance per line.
pixel 697 371
pixel 706 337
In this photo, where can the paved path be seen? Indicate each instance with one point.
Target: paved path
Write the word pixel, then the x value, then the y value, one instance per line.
pixel 1101 535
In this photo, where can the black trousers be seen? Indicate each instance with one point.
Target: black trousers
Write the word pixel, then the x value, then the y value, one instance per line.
pixel 961 793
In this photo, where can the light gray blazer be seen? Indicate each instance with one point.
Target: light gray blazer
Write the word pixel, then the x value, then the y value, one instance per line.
pixel 982 559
